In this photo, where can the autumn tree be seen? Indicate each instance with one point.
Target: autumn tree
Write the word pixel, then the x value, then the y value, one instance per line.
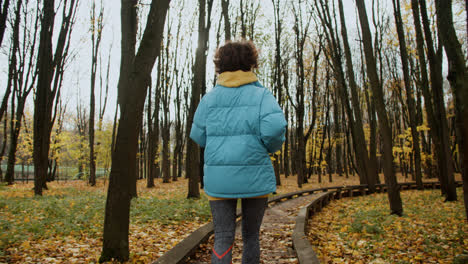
pixel 179 76
pixel 3 18
pixel 248 10
pixel 227 22
pixel 50 67
pixel 364 166
pixel 96 35
pixel 154 128
pixel 458 78
pixel 150 139
pixel 25 145
pixel 409 92
pixel 166 91
pixel 367 164
pixel 423 74
pixel 192 164
pixel 81 123
pixel 396 206
pixel 301 30
pixel 56 142
pixel 135 76
pixel 12 81
pixel 278 84
pixel 434 96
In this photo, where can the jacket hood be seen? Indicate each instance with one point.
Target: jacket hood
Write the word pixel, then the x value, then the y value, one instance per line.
pixel 236 78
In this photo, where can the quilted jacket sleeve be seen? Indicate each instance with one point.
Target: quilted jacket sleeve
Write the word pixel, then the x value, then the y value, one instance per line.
pixel 272 123
pixel 198 131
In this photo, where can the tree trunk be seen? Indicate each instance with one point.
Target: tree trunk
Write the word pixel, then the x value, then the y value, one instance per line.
pixel 227 23
pixel 337 122
pixel 155 131
pixel 135 75
pixel 458 78
pixel 3 19
pixel 363 164
pixel 424 77
pixel 96 32
pixel 42 111
pixel 277 169
pixel 372 128
pixel 441 141
pixel 192 164
pixel 242 20
pixel 385 129
pixel 165 129
pixel 301 31
pixel 368 166
pixel 179 77
pixel 276 80
pixel 13 81
pixel 409 93
pixel 166 97
pixel 4 143
pixel 50 67
pixel 175 161
pixel 150 147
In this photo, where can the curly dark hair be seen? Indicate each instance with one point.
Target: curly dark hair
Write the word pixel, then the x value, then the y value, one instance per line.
pixel 236 55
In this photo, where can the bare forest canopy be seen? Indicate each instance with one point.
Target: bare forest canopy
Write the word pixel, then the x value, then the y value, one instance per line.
pixel 256 20
pixel 319 77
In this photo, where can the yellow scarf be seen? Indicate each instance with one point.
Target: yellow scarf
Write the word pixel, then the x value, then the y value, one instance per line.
pixel 236 78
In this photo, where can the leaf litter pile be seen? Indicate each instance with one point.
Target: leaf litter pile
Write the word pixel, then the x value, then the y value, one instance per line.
pixel 361 230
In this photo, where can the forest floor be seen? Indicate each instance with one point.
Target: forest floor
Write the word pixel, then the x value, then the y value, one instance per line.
pixel 361 230
pixel 65 225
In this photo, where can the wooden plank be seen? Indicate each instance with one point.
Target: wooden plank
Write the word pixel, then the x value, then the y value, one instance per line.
pixel 301 244
pixel 187 246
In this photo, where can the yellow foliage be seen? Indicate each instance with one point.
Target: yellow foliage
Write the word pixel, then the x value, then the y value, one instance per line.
pixel 397 150
pixel 323 163
pixel 423 127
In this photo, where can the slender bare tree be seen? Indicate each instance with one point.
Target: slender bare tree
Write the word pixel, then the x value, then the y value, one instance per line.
pixel 227 23
pixel 439 120
pixel 396 206
pixel 23 76
pixel 409 92
pixel 458 78
pixel 3 18
pixel 135 76
pixel 193 165
pixel 96 35
pixel 50 67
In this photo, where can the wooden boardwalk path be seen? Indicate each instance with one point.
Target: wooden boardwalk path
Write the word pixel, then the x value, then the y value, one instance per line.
pixel 275 235
pixel 277 230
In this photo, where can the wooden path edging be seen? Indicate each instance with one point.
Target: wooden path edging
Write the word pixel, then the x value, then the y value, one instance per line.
pixel 301 244
pixel 184 249
pixel 187 246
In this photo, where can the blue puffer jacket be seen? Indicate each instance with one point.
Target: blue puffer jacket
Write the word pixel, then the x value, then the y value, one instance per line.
pixel 239 122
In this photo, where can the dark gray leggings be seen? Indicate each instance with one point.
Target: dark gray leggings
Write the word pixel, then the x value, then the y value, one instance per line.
pixel 224 220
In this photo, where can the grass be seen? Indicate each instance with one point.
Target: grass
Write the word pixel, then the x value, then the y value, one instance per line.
pixel 53 215
pixel 361 230
pixel 76 211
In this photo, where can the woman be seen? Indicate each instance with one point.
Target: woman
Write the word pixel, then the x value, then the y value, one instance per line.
pixel 238 123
